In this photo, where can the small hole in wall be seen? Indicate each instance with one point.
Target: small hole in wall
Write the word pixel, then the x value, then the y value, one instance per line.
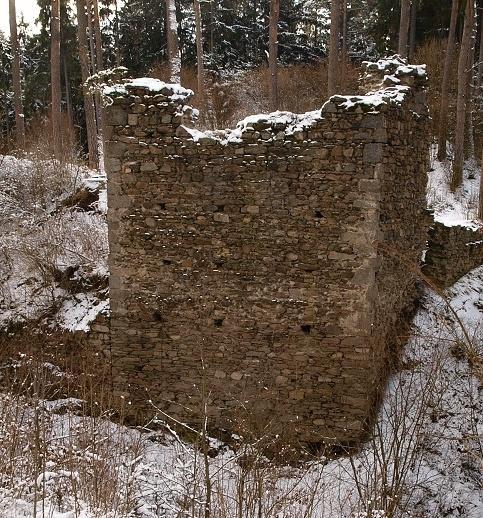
pixel 157 316
pixel 167 261
pixel 306 328
pixel 318 214
pixel 162 206
pixel 218 263
pixel 220 208
pixel 218 322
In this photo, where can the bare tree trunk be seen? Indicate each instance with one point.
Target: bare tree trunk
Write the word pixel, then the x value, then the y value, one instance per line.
pixel 334 65
pixel 90 32
pixel 457 176
pixel 199 52
pixel 480 57
pixel 17 84
pixel 55 78
pixel 404 28
pixel 98 37
pixel 174 59
pixel 412 29
pixel 98 68
pixel 480 205
pixel 273 53
pixel 448 60
pixel 89 107
pixel 470 85
pixel 116 35
pixel 68 96
pixel 344 47
pixel 212 23
pixel 479 83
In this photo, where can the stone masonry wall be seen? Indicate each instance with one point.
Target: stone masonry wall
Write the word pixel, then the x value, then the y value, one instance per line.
pixel 452 253
pixel 245 269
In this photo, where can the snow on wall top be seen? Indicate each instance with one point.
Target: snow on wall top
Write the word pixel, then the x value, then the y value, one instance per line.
pixel 390 80
pixel 155 86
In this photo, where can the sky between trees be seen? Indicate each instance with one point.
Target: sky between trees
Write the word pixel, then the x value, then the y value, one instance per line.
pixel 28 8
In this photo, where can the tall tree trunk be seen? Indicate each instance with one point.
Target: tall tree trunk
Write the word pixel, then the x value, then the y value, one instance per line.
pixel 55 78
pixel 479 83
pixel 480 57
pixel 174 59
pixel 91 39
pixel 116 35
pixel 212 24
pixel 334 62
pixel 470 85
pixel 273 53
pixel 98 68
pixel 98 37
pixel 404 28
pixel 412 29
pixel 89 107
pixel 345 44
pixel 480 205
pixel 461 107
pixel 17 84
pixel 199 53
pixel 448 60
pixel 68 96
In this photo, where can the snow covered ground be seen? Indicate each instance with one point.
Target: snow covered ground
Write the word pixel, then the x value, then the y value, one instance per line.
pixel 51 249
pixel 424 458
pixel 425 455
pixel 460 207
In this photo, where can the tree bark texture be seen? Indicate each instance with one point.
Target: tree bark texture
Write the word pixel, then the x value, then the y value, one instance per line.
pixel 462 104
pixel 344 56
pixel 412 29
pixel 84 59
pixel 404 28
pixel 98 37
pixel 448 60
pixel 174 59
pixel 16 79
pixel 95 28
pixel 273 53
pixel 199 53
pixel 55 80
pixel 334 61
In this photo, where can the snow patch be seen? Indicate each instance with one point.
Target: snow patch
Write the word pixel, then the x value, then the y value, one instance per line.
pixel 459 208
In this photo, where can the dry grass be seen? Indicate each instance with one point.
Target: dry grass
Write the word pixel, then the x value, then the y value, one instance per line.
pixel 302 88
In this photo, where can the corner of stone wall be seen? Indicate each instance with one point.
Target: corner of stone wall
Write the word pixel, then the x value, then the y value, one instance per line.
pixel 452 252
pixel 335 177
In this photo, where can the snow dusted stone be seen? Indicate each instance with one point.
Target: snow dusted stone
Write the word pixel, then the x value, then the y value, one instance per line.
pixel 268 253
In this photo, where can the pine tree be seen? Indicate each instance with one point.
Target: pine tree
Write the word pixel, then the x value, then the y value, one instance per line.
pixel 16 78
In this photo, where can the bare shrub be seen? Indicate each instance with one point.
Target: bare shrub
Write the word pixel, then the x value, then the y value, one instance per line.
pixel 229 99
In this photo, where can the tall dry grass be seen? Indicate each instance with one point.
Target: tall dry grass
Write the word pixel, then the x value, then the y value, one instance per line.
pixel 229 99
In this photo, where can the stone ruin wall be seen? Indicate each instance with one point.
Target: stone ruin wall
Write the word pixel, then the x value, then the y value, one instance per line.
pixel 244 266
pixel 452 252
